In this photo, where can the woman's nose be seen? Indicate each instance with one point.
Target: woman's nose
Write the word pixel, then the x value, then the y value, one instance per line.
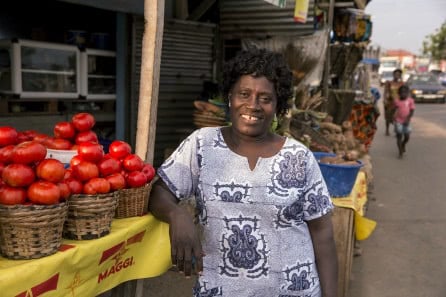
pixel 253 102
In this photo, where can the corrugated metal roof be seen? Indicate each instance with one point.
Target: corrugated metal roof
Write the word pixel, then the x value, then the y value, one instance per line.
pixel 257 18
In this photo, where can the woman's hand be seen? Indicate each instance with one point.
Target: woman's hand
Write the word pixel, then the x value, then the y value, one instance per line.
pixel 185 242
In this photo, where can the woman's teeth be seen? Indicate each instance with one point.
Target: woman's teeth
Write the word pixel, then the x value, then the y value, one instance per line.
pixel 250 118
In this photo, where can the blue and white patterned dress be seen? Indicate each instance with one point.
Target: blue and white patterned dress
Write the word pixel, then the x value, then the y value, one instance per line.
pixel 256 240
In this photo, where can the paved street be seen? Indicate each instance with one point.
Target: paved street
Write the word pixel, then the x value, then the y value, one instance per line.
pixel 406 255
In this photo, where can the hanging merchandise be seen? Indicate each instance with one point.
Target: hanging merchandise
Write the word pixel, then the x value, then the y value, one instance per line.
pixel 301 11
pixel 280 3
pixel 305 55
pixel 352 25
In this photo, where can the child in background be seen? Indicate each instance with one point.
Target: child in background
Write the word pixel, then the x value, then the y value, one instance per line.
pixel 404 109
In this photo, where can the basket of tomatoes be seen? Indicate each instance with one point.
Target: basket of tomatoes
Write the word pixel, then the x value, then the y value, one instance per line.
pixel 33 197
pixel 136 181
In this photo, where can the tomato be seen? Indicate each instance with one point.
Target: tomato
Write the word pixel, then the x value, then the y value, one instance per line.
pixel 64 130
pixel 18 175
pixel 76 187
pixel 51 170
pixel 85 170
pixel 58 143
pixel 11 196
pixel 75 160
pixel 133 163
pixel 136 179
pixel 108 166
pixel 74 147
pixel 2 167
pixel 90 151
pixel 65 191
pixel 149 171
pixel 22 137
pixel 28 152
pixel 44 192
pixel 83 121
pixel 6 154
pixel 68 173
pixel 116 181
pixel 96 185
pixel 39 137
pixel 119 149
pixel 86 136
pixel 8 136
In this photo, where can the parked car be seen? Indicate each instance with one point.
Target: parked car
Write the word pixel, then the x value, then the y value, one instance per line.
pixel 385 76
pixel 426 87
pixel 442 78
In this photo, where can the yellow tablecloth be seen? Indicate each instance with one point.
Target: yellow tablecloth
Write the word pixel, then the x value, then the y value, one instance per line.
pixel 356 201
pixel 136 248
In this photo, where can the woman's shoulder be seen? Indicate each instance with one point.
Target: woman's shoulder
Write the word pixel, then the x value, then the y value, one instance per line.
pixel 295 145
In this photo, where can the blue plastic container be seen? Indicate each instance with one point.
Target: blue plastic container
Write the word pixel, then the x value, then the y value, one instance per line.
pixel 339 178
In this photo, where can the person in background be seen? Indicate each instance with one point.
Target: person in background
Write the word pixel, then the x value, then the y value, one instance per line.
pixel 404 110
pixel 260 197
pixel 390 95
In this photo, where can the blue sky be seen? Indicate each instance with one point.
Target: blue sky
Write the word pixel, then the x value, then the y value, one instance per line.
pixel 404 23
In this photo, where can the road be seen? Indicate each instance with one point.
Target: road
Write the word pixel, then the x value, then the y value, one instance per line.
pixel 406 254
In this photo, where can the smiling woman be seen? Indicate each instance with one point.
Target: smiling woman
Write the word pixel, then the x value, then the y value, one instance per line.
pixel 261 198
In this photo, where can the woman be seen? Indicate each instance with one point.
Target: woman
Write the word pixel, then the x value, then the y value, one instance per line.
pixel 261 199
pixel 390 95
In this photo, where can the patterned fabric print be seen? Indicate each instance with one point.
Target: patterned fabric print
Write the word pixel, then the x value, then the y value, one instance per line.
pixel 288 172
pixel 201 291
pixel 232 192
pixel 293 214
pixel 318 201
pixel 298 278
pixel 243 248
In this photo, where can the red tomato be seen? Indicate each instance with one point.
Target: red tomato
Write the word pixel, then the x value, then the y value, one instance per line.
pixel 75 160
pixel 119 149
pixel 133 163
pixel 44 192
pixel 85 170
pixel 28 152
pixel 40 137
pixel 2 166
pixel 51 170
pixel 83 121
pixel 30 133
pixel 64 130
pixel 6 154
pixel 22 137
pixel 149 171
pixel 76 187
pixel 68 173
pixel 108 166
pixel 86 136
pixel 8 136
pixel 116 181
pixel 65 191
pixel 136 179
pixel 74 147
pixel 90 151
pixel 97 185
pixel 58 144
pixel 18 175
pixel 11 196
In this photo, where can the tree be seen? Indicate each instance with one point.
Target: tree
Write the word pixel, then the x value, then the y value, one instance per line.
pixel 434 44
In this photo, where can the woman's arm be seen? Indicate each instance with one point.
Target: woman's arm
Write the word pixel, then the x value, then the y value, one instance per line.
pixel 184 240
pixel 321 230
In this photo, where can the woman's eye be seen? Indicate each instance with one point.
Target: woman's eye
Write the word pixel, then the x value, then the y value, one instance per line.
pixel 265 99
pixel 244 95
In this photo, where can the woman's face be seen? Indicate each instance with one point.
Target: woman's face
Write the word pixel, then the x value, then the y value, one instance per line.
pixel 253 105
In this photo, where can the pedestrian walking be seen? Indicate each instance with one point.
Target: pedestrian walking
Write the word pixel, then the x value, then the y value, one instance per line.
pixel 404 110
pixel 390 95
pixel 261 199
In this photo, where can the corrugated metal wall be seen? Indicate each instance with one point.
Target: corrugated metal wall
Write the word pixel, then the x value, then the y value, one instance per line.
pixel 187 60
pixel 257 18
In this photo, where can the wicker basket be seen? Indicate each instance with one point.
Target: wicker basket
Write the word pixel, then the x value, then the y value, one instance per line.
pixel 133 202
pixel 31 231
pixel 90 216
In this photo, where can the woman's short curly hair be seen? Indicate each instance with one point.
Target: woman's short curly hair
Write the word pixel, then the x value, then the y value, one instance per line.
pixel 260 62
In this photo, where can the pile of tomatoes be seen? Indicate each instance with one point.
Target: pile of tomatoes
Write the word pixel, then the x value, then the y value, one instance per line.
pixel 27 177
pixel 93 172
